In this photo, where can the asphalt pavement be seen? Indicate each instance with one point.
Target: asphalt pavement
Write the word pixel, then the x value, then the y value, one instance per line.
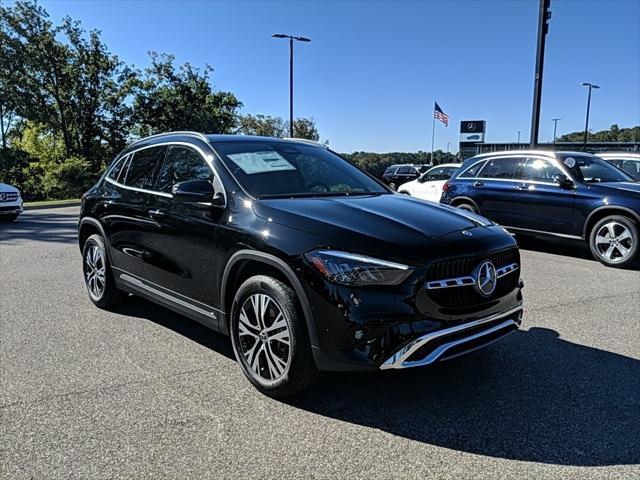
pixel 142 392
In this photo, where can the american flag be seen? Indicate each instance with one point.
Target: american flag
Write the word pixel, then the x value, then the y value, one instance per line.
pixel 440 115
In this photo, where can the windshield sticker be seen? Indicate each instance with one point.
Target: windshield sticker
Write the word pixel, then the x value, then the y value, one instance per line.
pixel 570 162
pixel 260 162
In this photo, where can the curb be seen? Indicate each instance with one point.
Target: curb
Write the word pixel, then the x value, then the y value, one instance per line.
pixel 51 205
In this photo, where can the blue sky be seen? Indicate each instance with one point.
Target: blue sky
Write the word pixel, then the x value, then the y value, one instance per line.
pixel 373 69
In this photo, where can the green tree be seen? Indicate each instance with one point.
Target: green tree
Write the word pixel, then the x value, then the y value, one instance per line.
pixel 263 125
pixel 305 128
pixel 168 99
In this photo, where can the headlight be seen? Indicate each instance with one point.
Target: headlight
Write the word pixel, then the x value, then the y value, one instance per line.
pixel 356 270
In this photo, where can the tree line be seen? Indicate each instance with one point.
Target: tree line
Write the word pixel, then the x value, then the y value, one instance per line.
pixel 68 105
pixel 613 134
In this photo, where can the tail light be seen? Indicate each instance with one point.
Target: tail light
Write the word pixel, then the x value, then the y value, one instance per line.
pixel 446 187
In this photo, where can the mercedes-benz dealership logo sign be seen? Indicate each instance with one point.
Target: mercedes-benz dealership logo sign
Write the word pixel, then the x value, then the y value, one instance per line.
pixel 487 278
pixel 471 126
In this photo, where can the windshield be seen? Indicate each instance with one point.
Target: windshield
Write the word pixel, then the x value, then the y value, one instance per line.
pixel 595 170
pixel 283 169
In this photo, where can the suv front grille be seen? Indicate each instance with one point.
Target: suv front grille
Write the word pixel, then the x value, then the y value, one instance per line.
pixel 8 196
pixel 466 296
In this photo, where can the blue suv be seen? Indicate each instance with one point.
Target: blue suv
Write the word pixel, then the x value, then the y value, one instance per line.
pixel 565 194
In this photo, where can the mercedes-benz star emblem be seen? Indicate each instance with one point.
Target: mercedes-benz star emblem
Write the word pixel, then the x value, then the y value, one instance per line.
pixel 486 278
pixel 3 196
pixel 471 126
pixel 467 233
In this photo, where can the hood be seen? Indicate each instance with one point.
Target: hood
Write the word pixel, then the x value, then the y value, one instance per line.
pixel 616 187
pixel 7 188
pixel 393 225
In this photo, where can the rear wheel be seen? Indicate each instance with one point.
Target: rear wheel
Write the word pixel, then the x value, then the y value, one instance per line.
pixel 269 337
pixel 614 241
pixel 467 206
pixel 97 274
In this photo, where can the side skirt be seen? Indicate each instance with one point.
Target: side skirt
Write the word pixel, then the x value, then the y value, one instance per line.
pixel 199 313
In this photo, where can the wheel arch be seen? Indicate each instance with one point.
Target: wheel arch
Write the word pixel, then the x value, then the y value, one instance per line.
pixel 606 211
pixel 239 261
pixel 87 227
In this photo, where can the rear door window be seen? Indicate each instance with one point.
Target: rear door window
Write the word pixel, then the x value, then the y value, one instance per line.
pixel 499 168
pixel 142 167
pixel 118 167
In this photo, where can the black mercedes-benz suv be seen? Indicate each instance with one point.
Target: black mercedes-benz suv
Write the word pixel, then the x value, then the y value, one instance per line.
pixel 307 262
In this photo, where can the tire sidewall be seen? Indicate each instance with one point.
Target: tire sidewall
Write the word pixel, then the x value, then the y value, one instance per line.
pixel 467 207
pixel 633 228
pixel 274 289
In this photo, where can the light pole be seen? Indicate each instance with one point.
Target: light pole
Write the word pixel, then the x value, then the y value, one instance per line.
pixel 555 127
pixel 586 125
pixel 291 39
pixel 518 138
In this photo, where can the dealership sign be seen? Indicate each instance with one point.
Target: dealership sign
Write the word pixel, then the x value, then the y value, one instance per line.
pixel 472 131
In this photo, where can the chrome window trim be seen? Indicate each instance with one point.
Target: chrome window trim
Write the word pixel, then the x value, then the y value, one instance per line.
pixel 468 280
pixel 144 280
pixel 399 359
pixel 208 159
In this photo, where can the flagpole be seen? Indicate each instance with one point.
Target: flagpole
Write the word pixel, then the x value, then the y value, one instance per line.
pixel 433 131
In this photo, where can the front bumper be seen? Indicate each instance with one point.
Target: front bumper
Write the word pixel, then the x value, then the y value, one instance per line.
pixel 10 208
pixel 454 341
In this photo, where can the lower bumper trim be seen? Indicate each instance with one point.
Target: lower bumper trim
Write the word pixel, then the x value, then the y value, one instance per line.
pixel 460 335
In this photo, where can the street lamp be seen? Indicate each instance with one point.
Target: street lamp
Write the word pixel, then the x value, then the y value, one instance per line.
pixel 586 125
pixel 555 127
pixel 291 39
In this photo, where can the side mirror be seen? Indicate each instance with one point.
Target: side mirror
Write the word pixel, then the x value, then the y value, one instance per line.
pixel 197 191
pixel 562 180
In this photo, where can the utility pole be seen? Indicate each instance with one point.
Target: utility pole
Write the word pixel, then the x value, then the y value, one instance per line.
pixel 586 124
pixel 555 127
pixel 543 28
pixel 291 39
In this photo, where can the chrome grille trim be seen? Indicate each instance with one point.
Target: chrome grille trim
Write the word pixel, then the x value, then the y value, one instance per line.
pixel 467 280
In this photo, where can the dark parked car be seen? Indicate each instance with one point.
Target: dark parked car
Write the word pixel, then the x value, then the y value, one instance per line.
pixel 627 161
pixel 565 194
pixel 307 262
pixel 396 175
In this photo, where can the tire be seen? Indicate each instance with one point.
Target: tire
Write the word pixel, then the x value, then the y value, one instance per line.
pixel 393 186
pixel 468 207
pixel 94 259
pixel 9 218
pixel 276 360
pixel 622 251
pixel 404 192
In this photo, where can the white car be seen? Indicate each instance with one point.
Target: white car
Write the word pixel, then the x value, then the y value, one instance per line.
pixel 429 185
pixel 627 161
pixel 10 203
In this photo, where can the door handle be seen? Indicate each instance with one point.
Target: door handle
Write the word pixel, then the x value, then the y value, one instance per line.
pixel 522 187
pixel 478 184
pixel 156 213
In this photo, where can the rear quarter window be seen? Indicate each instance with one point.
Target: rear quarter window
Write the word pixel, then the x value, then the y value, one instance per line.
pixel 142 167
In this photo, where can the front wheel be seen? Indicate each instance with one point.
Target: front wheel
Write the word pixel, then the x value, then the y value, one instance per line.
pixel 614 241
pixel 9 218
pixel 269 337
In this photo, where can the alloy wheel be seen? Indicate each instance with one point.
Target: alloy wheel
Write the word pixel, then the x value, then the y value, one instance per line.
pixel 614 242
pixel 94 272
pixel 264 338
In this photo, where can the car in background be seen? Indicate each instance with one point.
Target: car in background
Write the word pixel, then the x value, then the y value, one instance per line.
pixel 429 185
pixel 627 161
pixel 398 174
pixel 570 195
pixel 10 203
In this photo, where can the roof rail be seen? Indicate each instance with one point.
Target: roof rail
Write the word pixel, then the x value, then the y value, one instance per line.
pixel 304 140
pixel 548 153
pixel 185 132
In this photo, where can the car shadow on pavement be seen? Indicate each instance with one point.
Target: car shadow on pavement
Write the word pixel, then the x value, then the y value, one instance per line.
pixel 555 246
pixel 141 308
pixel 41 225
pixel 533 397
